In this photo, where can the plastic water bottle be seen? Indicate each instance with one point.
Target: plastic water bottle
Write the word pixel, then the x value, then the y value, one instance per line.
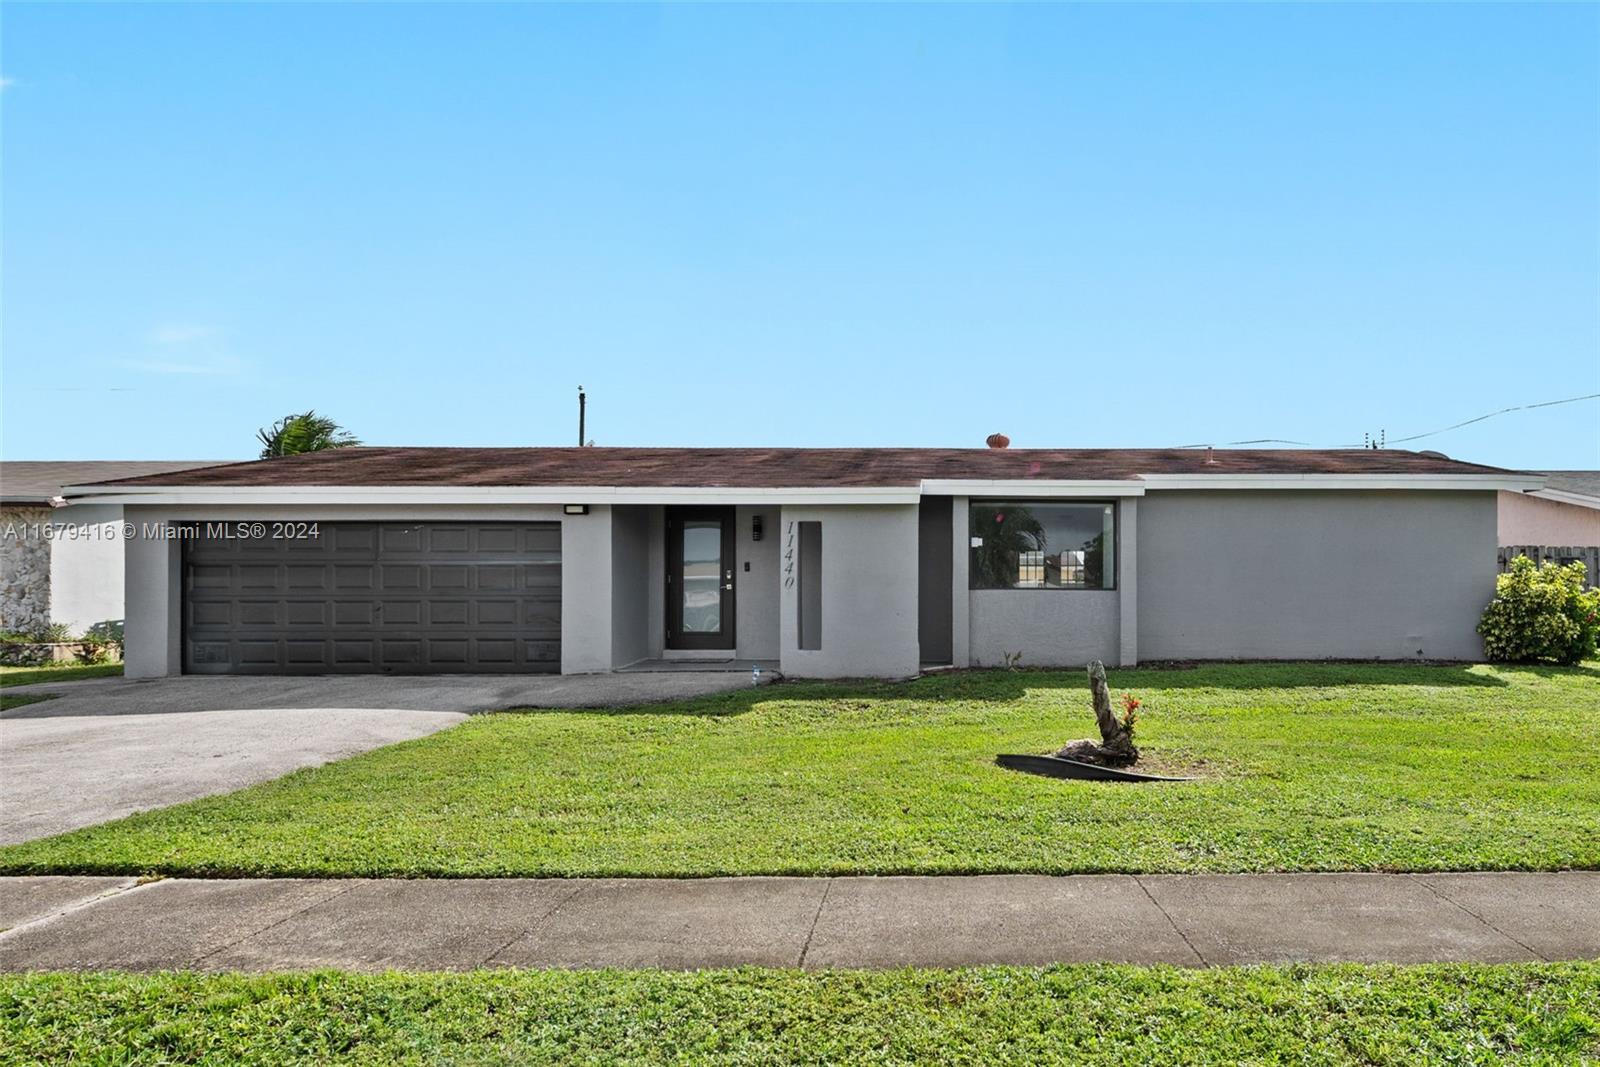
pixel 755 675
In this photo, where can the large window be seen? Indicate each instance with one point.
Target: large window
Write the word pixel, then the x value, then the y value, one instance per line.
pixel 1023 544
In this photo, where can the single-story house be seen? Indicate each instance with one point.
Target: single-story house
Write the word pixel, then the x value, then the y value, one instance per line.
pixel 1565 512
pixel 824 562
pixel 58 564
pixel 1559 523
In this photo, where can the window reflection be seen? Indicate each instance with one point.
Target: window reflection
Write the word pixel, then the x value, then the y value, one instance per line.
pixel 1042 545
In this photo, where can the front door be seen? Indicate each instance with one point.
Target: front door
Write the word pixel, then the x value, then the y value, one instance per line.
pixel 700 578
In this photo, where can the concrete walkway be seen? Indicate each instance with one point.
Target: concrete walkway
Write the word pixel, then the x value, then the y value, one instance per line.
pixel 1190 920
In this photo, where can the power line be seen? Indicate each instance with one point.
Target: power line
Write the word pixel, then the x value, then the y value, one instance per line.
pixel 1402 440
pixel 1256 441
pixel 1492 414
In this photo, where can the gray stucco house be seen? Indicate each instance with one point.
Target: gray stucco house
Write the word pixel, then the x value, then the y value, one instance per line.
pixel 821 562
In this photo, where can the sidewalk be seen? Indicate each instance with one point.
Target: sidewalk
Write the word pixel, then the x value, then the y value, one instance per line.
pixel 69 923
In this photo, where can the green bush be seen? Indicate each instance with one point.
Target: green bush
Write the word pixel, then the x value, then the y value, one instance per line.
pixel 1540 612
pixel 101 643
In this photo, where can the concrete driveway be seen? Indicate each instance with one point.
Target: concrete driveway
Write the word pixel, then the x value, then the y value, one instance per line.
pixel 104 748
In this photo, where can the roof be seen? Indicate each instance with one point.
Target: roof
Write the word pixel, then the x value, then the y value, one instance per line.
pixel 1581 483
pixel 36 482
pixel 778 467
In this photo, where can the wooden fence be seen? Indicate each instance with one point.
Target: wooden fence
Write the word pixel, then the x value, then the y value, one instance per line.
pixel 1588 555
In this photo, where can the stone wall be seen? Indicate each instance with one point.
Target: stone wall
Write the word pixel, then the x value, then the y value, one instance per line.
pixel 24 569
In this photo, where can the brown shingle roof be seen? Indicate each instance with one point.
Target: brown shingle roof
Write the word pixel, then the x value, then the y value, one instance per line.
pixel 780 467
pixel 36 481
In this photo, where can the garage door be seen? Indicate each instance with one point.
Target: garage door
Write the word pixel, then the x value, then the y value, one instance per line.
pixel 374 598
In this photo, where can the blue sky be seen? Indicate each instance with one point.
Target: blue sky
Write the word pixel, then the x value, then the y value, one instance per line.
pixel 1091 226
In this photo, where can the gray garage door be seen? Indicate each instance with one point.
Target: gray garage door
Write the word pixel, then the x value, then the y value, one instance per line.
pixel 373 598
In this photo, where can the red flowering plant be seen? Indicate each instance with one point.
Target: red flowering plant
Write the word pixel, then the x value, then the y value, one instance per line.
pixel 1130 712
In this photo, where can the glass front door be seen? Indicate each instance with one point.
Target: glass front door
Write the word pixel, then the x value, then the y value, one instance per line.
pixel 700 578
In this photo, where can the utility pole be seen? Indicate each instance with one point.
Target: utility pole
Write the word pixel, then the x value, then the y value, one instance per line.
pixel 583 402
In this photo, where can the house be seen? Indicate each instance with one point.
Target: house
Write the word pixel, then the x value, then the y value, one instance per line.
pixel 1565 512
pixel 62 565
pixel 821 562
pixel 1559 523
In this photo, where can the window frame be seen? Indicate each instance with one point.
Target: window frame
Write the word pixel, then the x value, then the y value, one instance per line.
pixel 1116 541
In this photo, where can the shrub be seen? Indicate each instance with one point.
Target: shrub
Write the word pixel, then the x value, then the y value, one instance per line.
pixel 101 643
pixel 1540 612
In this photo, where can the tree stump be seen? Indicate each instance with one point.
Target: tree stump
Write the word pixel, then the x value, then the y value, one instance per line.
pixel 1115 747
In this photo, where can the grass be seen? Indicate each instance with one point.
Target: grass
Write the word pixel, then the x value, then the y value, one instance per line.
pixel 1085 1014
pixel 1309 767
pixel 57 672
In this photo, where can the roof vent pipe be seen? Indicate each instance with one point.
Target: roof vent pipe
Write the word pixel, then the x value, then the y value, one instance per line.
pixel 1211 456
pixel 997 440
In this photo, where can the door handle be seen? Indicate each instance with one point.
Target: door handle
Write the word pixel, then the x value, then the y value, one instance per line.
pixel 728 586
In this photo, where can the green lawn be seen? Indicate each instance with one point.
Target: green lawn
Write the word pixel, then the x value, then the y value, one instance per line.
pixel 1079 1014
pixel 1308 767
pixel 57 672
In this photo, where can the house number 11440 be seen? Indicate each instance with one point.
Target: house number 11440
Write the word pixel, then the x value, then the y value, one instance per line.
pixel 788 554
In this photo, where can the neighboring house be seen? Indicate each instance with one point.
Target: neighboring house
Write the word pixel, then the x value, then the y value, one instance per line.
pixel 1565 512
pixel 62 564
pixel 823 562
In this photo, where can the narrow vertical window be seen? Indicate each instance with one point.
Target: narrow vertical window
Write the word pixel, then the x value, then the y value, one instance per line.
pixel 810 586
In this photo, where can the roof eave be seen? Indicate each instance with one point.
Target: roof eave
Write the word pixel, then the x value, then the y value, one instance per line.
pixel 887 494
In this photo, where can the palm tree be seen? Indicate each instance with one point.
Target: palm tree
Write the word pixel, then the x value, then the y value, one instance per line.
pixel 306 432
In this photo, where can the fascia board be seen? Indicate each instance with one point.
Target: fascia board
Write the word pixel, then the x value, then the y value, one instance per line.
pixel 1030 487
pixel 460 495
pixel 1561 496
pixel 1413 482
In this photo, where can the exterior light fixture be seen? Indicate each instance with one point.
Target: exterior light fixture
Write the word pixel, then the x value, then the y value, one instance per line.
pixel 575 509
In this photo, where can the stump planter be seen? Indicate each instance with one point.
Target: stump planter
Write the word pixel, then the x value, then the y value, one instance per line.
pixel 1056 767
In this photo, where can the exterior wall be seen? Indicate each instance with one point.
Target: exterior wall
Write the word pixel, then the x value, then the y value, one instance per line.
pixel 758 589
pixel 586 591
pixel 1128 582
pixel 1223 575
pixel 152 602
pixel 1050 627
pixel 869 593
pixel 86 571
pixel 1530 520
pixel 73 577
pixel 630 585
pixel 1314 575
pixel 24 569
